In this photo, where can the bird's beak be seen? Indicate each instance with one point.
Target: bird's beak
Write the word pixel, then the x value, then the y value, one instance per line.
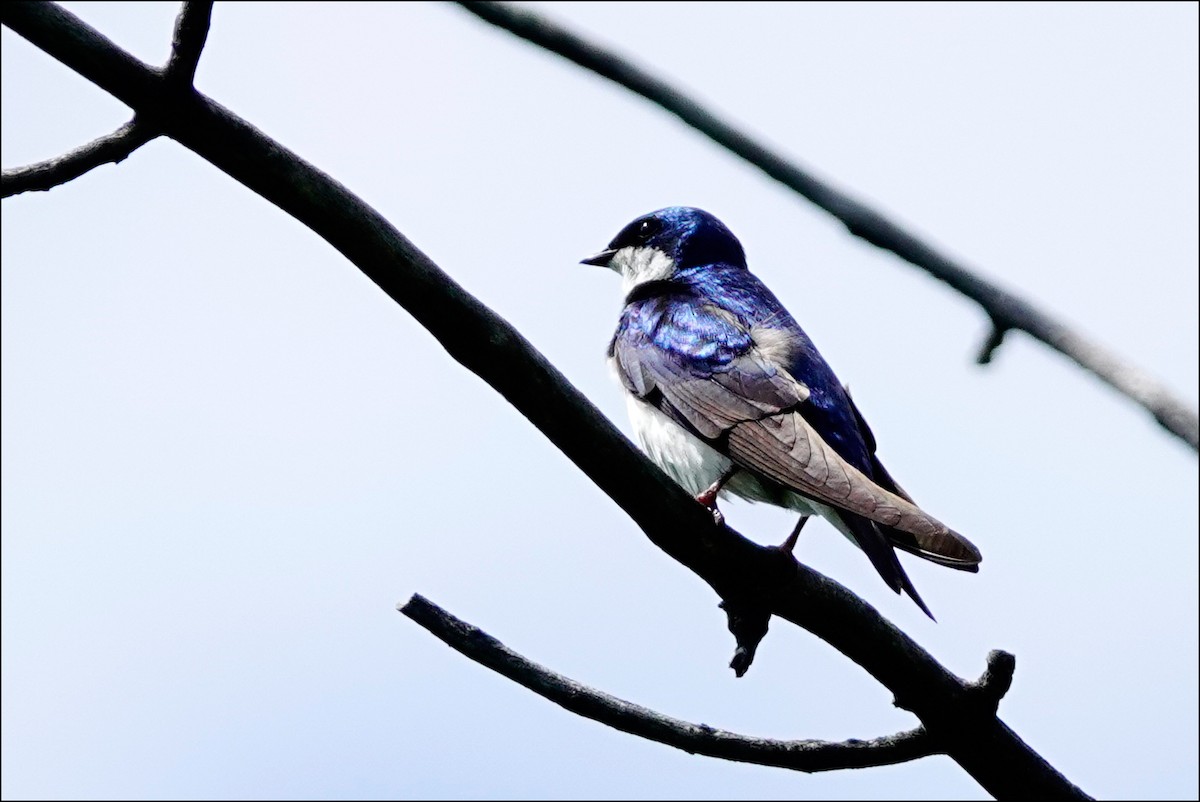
pixel 600 259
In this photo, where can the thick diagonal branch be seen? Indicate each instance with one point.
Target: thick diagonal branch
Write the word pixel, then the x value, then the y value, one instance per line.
pixel 736 568
pixel 1006 310
pixel 110 149
pixel 697 739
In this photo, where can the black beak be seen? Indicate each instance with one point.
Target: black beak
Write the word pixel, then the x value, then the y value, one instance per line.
pixel 600 259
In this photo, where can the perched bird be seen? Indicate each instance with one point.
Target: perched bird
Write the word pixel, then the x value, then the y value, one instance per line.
pixel 727 394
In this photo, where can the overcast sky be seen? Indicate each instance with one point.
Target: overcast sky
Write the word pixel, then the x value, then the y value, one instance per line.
pixel 227 455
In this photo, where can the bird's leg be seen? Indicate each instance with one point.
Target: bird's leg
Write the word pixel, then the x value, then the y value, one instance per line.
pixel 790 544
pixel 709 497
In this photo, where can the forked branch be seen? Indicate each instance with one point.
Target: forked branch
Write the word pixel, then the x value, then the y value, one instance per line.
pixel 191 30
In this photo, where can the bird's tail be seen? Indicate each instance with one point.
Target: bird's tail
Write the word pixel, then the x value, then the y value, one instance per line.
pixel 947 548
pixel 954 551
pixel 875 541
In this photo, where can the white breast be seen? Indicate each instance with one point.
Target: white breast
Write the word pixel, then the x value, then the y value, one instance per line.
pixel 695 466
pixel 682 456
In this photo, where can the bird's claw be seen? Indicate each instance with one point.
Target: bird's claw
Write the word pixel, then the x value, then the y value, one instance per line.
pixel 709 497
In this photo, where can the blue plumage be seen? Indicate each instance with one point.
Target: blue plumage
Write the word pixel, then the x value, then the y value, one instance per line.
pixel 728 394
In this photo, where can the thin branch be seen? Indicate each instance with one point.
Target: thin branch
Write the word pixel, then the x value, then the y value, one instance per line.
pixel 1006 309
pixel 994 340
pixel 696 739
pixel 736 568
pixel 191 31
pixel 111 149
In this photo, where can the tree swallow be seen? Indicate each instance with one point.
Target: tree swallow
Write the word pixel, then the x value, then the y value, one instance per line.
pixel 727 394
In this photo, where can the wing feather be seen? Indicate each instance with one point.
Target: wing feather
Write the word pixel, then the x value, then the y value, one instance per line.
pixel 950 548
pixel 713 377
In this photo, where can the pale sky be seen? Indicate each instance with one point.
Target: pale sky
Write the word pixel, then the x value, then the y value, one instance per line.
pixel 227 455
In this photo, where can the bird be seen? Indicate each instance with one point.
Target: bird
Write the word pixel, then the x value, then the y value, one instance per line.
pixel 728 395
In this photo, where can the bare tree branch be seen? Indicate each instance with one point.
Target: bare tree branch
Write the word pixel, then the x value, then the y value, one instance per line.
pixel 110 149
pixel 736 568
pixel 696 739
pixel 191 31
pixel 1006 310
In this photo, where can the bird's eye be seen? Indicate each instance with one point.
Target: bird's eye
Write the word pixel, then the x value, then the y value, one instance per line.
pixel 647 229
pixel 637 233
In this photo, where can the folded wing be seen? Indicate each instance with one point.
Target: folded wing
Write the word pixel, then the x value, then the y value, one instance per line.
pixel 704 367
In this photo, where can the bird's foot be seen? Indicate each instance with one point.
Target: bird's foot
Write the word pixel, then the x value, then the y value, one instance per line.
pixel 709 497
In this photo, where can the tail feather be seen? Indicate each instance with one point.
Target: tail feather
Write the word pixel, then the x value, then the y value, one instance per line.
pixel 878 548
pixel 905 541
pixel 912 594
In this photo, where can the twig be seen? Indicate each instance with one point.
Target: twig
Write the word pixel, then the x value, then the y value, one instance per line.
pixel 191 31
pixel 736 568
pixel 113 148
pixel 994 340
pixel 748 624
pixel 1007 311
pixel 697 739
pixel 996 680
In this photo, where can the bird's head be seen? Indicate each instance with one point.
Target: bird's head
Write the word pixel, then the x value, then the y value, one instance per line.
pixel 660 244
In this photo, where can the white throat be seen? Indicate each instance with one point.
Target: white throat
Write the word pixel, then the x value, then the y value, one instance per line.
pixel 639 265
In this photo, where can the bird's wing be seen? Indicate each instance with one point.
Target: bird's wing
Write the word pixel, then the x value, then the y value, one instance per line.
pixel 947 548
pixel 787 449
pixel 701 366
pixel 706 369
